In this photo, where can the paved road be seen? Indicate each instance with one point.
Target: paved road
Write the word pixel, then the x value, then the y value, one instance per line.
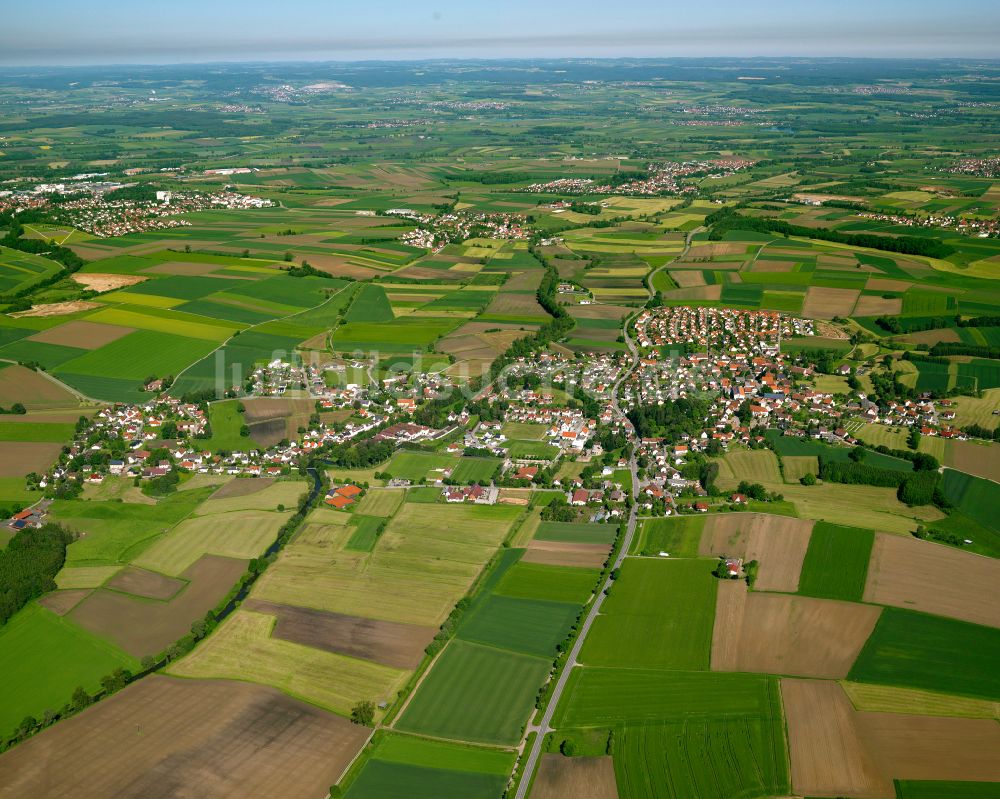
pixel 544 726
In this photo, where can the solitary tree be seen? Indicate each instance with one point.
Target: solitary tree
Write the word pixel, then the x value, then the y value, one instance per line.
pixel 363 713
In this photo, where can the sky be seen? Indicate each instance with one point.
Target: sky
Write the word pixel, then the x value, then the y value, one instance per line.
pixel 72 32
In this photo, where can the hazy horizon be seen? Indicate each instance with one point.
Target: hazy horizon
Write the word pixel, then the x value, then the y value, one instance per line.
pixel 65 33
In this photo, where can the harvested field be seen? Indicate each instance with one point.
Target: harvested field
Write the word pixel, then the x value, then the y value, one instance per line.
pixel 243 648
pixel 764 265
pixel 18 458
pixel 142 627
pixel 133 580
pixel 84 576
pixel 575 778
pixel 982 460
pixel 242 487
pixel 182 268
pixel 931 747
pixel 695 293
pixel 778 543
pixel 564 553
pixel 267 498
pixel 62 602
pixel 261 408
pixel 163 737
pixel 887 284
pixel 32 389
pixel 781 634
pixel 871 305
pixel 399 645
pixel 601 311
pixel 798 466
pixel 57 309
pixel 686 278
pixel 828 756
pixel 99 282
pixel 82 334
pixel 826 303
pixel 890 699
pixel 922 575
pixel 718 248
pixel 947 335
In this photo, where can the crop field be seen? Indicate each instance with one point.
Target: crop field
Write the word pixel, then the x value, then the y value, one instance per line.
pixel 632 630
pixel 605 697
pixel 585 777
pixel 532 627
pixel 932 578
pixel 889 699
pixel 836 563
pixel 475 693
pixel 417 466
pixel 915 650
pixel 183 735
pixel 140 626
pixel 43 659
pixel 243 648
pixel 679 536
pixel 784 634
pixel 475 470
pixel 576 532
pixel 241 535
pixel 552 583
pixel 422 564
pixel 716 758
pixel 382 503
pixel 116 532
pixel 778 543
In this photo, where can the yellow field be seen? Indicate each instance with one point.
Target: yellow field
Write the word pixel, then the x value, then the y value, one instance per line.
pixel 243 649
pixel 422 565
pixel 283 492
pixel 798 466
pixel 856 505
pixel 889 699
pixel 163 324
pixel 85 576
pixel 883 435
pixel 242 535
pixel 757 466
pixel 152 300
pixel 381 503
pixel 975 410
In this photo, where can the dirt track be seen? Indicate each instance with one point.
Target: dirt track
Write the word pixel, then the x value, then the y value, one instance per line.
pixel 782 634
pixel 934 578
pixel 778 543
pixel 164 738
pixel 399 645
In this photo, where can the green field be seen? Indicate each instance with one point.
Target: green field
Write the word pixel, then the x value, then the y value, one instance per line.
pixel 417 466
pixel 475 693
pixel 553 583
pixel 475 470
pixel 601 697
pixel 532 627
pixel 57 432
pixel 43 659
pixel 678 535
pixel 973 496
pixel 380 779
pixel 532 450
pixel 836 562
pixel 718 758
pixel 577 532
pixel 409 749
pixel 116 532
pixel 633 631
pixel 916 650
pixel 911 789
pixel 226 421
